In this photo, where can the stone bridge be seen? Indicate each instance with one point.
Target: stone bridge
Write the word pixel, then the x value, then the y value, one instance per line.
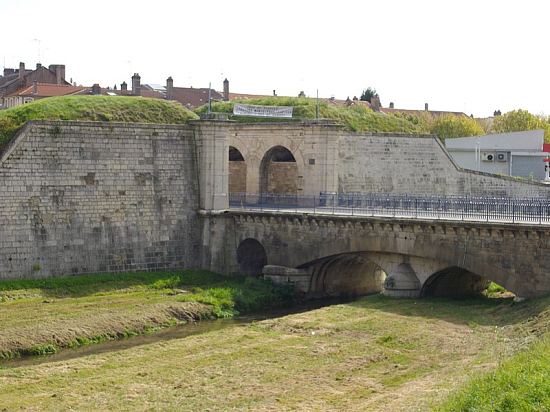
pixel 333 255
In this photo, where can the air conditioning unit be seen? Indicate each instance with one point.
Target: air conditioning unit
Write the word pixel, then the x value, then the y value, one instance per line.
pixel 502 156
pixel 488 157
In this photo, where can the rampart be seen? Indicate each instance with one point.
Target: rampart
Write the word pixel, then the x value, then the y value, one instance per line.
pixel 84 197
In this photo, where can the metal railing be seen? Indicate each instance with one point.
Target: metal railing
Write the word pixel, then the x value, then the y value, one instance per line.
pixel 482 209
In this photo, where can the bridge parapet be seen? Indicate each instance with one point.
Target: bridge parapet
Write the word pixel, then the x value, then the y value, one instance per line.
pixel 464 208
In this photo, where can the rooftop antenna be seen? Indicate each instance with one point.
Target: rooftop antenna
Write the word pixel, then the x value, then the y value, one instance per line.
pixel 209 98
pixel 39 42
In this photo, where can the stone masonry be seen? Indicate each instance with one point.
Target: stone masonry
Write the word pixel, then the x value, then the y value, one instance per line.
pixel 515 256
pixel 90 197
pixel 86 197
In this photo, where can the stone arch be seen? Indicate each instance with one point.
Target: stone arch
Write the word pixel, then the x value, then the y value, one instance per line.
pixel 237 171
pixel 454 282
pixel 345 275
pixel 279 172
pixel 251 257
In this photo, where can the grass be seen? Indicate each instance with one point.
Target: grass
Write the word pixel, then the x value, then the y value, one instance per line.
pixel 377 354
pixel 93 108
pixel 44 315
pixel 521 383
pixel 354 118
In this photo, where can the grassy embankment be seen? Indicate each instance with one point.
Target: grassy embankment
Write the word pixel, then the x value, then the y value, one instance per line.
pixel 93 108
pixel 521 383
pixel 354 118
pixel 376 354
pixel 42 316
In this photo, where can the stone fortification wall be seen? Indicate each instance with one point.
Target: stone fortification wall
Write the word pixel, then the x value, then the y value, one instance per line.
pixel 79 197
pixel 385 163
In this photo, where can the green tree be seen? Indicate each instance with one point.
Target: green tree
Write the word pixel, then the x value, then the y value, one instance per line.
pixel 519 120
pixel 368 94
pixel 451 126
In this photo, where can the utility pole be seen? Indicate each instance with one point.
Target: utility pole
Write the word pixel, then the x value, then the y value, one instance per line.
pixel 39 50
pixel 317 106
pixel 209 98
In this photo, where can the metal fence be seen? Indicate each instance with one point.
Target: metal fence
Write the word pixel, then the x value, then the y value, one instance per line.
pixel 486 209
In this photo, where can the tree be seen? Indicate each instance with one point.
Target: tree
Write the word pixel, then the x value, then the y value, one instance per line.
pixel 519 120
pixel 451 126
pixel 368 94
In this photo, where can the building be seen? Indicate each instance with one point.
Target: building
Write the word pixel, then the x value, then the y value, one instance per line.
pixel 14 80
pixel 192 97
pixel 40 91
pixel 518 154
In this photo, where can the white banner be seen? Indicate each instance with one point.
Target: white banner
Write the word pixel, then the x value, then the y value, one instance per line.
pixel 262 111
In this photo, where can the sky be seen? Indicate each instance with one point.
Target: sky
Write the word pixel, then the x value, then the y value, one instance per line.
pixel 474 56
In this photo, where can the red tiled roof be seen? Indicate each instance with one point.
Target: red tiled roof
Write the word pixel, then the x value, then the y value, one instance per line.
pixel 49 90
pixel 152 93
pixel 191 97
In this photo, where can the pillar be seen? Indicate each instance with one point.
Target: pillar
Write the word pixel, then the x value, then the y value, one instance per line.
pixel 212 146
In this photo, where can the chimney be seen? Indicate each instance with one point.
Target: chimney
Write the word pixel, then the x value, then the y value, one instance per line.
pixel 7 72
pixel 375 103
pixel 136 84
pixel 21 70
pixel 169 88
pixel 59 70
pixel 226 90
pixel 38 66
pixel 391 105
pixel 96 89
pixel 123 86
pixel 34 87
pixel 60 73
pixel 426 106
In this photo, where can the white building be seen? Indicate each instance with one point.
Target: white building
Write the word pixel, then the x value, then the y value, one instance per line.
pixel 513 154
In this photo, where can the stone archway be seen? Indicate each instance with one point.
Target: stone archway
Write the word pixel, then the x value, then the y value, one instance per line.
pixel 237 171
pixel 454 282
pixel 251 257
pixel 279 172
pixel 346 275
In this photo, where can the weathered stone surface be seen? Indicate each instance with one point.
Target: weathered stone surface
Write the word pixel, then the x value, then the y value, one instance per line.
pixel 78 197
pixel 520 263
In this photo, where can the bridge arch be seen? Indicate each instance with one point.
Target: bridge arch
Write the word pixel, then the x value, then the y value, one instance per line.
pixel 454 282
pixel 251 257
pixel 279 172
pixel 349 274
pixel 237 171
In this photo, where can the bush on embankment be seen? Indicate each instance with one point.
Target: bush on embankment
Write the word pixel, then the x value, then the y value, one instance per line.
pixel 355 118
pixel 93 108
pixel 44 315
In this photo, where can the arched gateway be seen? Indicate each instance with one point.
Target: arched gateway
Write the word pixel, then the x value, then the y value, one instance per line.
pixel 237 171
pixel 279 172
